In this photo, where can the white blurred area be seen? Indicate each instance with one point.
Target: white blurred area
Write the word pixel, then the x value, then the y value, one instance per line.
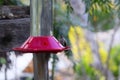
pixel 18 65
pixel 21 62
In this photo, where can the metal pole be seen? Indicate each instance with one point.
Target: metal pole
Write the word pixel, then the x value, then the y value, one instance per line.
pixel 35 12
pixel 41 23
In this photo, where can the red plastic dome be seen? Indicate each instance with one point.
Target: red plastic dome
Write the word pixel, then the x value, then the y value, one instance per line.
pixel 39 44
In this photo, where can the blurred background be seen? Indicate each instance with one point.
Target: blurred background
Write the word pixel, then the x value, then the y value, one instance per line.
pixel 89 27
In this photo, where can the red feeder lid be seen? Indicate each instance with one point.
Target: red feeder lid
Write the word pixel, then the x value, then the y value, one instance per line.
pixel 39 44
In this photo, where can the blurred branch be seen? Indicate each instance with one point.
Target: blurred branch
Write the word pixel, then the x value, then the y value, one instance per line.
pixel 109 50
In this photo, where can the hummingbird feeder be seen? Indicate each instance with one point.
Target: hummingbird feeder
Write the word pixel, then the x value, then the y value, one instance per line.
pixel 38 44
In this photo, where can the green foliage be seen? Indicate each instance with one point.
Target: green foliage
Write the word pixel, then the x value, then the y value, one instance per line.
pixel 90 3
pixel 9 2
pixel 117 2
pixel 1 2
pixel 101 21
pixel 115 60
pixel 101 17
pixel 2 60
pixel 83 56
pixel 12 2
pixel 101 14
pixel 69 7
pixel 61 22
pixel 28 78
pixel 5 60
pixel 83 69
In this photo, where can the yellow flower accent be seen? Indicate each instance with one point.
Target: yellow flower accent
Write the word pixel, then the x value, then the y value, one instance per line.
pixel 103 53
pixel 80 46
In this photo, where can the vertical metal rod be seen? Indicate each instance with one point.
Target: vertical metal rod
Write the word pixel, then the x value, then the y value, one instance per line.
pixel 41 23
pixel 35 10
pixel 35 13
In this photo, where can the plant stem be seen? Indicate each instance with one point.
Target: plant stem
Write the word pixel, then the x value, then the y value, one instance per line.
pixel 53 68
pixel 109 51
pixel 5 72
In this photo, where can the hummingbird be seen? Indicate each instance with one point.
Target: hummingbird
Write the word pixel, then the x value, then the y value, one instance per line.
pixel 63 41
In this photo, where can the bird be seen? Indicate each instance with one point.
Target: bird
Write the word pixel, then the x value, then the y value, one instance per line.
pixel 63 41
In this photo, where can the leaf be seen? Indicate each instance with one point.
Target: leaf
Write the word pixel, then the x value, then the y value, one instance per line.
pixel 2 60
